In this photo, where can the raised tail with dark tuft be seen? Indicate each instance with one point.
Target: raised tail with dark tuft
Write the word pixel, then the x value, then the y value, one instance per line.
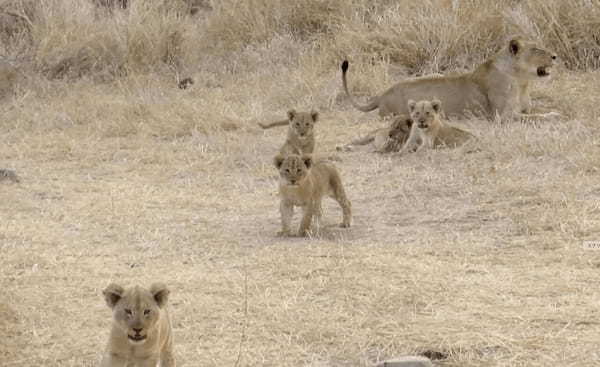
pixel 373 104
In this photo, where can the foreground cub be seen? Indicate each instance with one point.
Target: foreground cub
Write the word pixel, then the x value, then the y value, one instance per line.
pixel 304 183
pixel 387 139
pixel 141 333
pixel 301 135
pixel 429 130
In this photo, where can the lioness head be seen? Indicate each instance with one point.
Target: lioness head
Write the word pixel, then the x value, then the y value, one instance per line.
pixel 530 60
pixel 424 112
pixel 400 128
pixel 293 168
pixel 136 310
pixel 302 122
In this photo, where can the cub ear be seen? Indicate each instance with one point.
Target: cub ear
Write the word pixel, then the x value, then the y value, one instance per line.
pixel 514 46
pixel 112 294
pixel 409 122
pixel 278 161
pixel 314 115
pixel 307 159
pixel 411 105
pixel 291 114
pixel 160 292
pixel 437 105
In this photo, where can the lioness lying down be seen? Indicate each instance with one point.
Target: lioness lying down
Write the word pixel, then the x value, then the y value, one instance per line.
pixel 429 130
pixel 304 183
pixel 499 86
pixel 141 332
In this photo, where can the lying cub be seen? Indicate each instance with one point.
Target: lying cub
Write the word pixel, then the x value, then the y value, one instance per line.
pixel 304 183
pixel 141 333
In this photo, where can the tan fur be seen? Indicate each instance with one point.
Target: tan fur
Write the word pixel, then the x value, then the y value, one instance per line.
pixel 301 133
pixel 304 183
pixel 385 140
pixel 500 86
pixel 142 313
pixel 429 130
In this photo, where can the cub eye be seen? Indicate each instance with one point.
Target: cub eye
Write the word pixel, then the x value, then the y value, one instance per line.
pixel 428 112
pixel 128 311
pixel 146 312
pixel 287 170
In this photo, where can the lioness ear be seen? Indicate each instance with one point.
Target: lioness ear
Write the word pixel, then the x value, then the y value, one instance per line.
pixel 314 115
pixel 160 292
pixel 307 159
pixel 514 46
pixel 437 105
pixel 112 294
pixel 278 160
pixel 291 114
pixel 411 105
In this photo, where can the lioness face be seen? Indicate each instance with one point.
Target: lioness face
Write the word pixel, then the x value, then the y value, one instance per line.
pixel 136 310
pixel 292 168
pixel 423 113
pixel 400 128
pixel 532 61
pixel 302 122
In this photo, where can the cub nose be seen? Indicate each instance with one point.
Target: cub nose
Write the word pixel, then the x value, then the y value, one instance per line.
pixel 137 331
pixel 421 120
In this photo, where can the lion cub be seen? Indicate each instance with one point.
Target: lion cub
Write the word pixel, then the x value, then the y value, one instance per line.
pixel 386 139
pixel 429 130
pixel 141 333
pixel 301 135
pixel 304 183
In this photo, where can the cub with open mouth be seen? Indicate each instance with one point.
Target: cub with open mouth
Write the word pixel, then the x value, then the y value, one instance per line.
pixel 141 333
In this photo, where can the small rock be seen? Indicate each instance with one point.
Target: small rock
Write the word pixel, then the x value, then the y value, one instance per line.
pixel 407 361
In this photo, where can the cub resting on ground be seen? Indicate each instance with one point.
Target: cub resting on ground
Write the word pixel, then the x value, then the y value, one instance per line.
pixel 498 86
pixel 301 134
pixel 141 333
pixel 387 139
pixel 428 129
pixel 304 183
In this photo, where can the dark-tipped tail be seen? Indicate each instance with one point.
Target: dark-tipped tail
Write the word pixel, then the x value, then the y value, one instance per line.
pixel 369 107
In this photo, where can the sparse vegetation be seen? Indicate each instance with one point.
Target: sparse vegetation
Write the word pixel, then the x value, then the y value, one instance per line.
pixel 474 254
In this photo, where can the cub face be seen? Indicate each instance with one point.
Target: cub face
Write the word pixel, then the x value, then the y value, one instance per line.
pixel 531 60
pixel 136 310
pixel 302 122
pixel 292 168
pixel 424 112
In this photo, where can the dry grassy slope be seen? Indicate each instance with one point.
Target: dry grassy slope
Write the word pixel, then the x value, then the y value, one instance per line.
pixel 475 254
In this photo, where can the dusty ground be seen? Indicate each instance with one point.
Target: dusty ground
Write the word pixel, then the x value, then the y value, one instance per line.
pixel 475 254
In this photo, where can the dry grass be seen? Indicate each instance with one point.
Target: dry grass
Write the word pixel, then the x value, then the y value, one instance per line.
pixel 126 178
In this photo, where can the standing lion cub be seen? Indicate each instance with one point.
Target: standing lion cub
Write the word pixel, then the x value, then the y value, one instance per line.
pixel 429 130
pixel 304 183
pixel 141 333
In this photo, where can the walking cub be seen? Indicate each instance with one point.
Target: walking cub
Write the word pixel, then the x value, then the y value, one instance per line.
pixel 141 332
pixel 304 183
pixel 429 130
pixel 301 135
pixel 387 139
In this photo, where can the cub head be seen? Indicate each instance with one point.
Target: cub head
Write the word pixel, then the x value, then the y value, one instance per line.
pixel 400 128
pixel 530 60
pixel 302 123
pixel 136 310
pixel 293 168
pixel 423 113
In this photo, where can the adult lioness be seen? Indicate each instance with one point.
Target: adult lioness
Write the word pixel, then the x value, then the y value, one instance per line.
pixel 141 333
pixel 429 130
pixel 301 134
pixel 498 86
pixel 304 183
pixel 386 139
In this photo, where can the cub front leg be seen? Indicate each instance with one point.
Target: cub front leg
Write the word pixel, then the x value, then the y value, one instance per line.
pixel 287 213
pixel 308 211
